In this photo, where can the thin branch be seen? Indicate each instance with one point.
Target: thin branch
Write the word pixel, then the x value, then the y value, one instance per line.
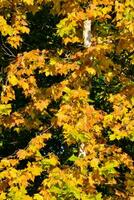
pixel 13 155
pixel 7 51
pixel 11 53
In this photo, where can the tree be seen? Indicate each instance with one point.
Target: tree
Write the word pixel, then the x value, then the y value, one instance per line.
pixel 66 108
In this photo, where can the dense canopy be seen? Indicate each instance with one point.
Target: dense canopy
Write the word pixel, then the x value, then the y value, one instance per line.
pixel 66 99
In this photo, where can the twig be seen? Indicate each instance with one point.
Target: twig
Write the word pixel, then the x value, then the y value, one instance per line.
pixel 7 51
pixel 14 154
pixel 11 53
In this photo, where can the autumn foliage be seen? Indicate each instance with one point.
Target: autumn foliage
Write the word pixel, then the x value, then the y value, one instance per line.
pixel 66 111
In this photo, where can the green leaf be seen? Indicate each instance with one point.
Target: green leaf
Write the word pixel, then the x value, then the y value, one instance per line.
pixel 73 158
pixel 98 196
pixel 5 109
pixel 55 189
pixel 38 197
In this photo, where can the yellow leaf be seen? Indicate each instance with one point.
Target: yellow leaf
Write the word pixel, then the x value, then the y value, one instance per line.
pixel 3 196
pixel 91 70
pixel 94 163
pixel 21 154
pixel 13 79
pixel 24 85
pixel 53 61
pixel 29 2
pixel 60 51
